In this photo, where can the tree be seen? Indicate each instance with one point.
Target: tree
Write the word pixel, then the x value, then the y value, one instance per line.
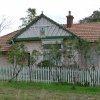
pixel 52 58
pixel 95 17
pixel 90 57
pixel 5 22
pixel 70 53
pixel 18 57
pixel 31 14
pixel 52 53
pixel 86 51
pixel 83 47
pixel 32 61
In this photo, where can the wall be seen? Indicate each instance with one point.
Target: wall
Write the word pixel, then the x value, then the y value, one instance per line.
pixel 75 58
pixel 4 61
pixel 37 45
pixel 32 45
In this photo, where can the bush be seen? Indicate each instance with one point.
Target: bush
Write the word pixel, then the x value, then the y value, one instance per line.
pixel 45 63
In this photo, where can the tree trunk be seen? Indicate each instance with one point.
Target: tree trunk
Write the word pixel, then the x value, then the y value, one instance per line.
pixel 30 73
pixel 15 74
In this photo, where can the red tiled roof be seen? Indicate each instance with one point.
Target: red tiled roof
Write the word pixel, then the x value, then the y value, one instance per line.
pixel 87 31
pixel 3 41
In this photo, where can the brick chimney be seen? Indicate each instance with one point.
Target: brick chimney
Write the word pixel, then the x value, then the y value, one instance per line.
pixel 69 20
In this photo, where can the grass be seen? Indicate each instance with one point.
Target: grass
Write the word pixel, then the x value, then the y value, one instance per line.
pixel 49 87
pixel 42 91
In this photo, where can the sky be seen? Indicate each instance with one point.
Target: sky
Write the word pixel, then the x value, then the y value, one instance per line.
pixel 57 10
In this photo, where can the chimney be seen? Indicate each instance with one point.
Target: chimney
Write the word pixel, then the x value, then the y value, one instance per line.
pixel 69 20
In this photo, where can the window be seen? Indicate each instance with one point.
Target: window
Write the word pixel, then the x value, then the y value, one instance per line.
pixel 50 46
pixel 52 52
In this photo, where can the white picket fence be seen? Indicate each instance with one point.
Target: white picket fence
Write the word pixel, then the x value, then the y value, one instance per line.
pixel 53 74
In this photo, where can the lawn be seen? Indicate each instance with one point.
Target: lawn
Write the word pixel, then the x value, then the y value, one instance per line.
pixel 42 91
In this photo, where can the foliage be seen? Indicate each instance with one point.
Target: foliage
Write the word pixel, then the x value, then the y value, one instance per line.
pixel 18 55
pixel 70 52
pixel 81 48
pixel 34 57
pixel 84 47
pixel 0 51
pixel 52 58
pixel 32 61
pixel 97 46
pixel 87 52
pixel 68 49
pixel 31 14
pixel 89 56
pixel 95 17
pixel 5 22
pixel 52 54
pixel 45 63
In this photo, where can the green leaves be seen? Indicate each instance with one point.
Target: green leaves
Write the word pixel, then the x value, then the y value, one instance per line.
pixel 31 14
pixel 34 57
pixel 18 55
pixel 52 54
pixel 95 17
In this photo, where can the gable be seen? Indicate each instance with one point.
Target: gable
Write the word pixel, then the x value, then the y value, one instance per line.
pixel 44 28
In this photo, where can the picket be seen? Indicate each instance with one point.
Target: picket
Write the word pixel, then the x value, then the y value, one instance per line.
pixel 53 74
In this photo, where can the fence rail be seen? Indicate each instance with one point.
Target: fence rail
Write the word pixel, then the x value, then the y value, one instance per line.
pixel 52 74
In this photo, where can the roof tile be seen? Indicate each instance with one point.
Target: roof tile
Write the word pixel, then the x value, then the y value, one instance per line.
pixel 3 41
pixel 87 31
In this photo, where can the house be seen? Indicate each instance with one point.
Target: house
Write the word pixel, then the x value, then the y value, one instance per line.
pixel 43 30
